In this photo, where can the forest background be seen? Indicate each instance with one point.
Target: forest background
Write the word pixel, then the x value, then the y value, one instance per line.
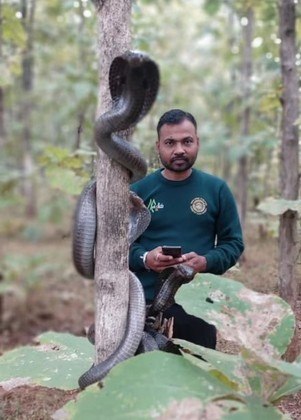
pixel 212 62
pixel 49 86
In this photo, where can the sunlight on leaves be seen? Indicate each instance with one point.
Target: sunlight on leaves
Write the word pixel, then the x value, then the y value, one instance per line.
pixel 143 386
pixel 251 319
pixel 57 362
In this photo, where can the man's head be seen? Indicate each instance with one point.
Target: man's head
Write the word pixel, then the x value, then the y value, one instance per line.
pixel 175 116
pixel 177 143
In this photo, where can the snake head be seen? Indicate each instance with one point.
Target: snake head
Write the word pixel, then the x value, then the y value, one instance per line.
pixel 186 272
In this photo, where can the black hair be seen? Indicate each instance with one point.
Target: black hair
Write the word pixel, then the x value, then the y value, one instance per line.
pixel 175 116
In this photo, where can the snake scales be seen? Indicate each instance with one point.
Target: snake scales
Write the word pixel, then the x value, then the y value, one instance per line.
pixel 133 82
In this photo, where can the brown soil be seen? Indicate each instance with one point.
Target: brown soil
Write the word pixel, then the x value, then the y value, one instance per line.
pixel 60 300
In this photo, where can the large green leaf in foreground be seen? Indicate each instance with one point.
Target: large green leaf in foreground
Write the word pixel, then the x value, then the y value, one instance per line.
pixel 157 383
pixel 165 386
pixel 247 373
pixel 254 320
pixel 56 362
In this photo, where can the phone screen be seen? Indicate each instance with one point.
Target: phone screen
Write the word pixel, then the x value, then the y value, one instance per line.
pixel 174 251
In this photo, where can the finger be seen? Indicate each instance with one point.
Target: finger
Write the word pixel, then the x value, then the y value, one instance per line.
pixel 189 256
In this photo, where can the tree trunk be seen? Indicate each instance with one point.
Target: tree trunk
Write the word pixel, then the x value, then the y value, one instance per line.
pixel 2 128
pixel 28 12
pixel 242 181
pixel 289 160
pixel 230 107
pixel 82 56
pixel 111 270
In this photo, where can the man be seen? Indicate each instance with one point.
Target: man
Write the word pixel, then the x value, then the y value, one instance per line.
pixel 189 208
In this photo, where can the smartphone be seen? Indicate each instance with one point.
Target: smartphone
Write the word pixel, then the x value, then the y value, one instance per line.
pixel 174 251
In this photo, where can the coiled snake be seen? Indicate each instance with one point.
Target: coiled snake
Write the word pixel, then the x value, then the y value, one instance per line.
pixel 133 82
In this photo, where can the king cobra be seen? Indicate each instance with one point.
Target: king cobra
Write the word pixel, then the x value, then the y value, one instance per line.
pixel 133 83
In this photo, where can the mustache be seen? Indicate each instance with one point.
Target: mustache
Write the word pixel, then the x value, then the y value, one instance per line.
pixel 179 158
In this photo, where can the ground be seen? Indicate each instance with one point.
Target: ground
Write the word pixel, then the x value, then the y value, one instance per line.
pixel 56 298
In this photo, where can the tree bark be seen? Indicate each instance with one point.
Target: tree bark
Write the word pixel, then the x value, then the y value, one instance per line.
pixel 289 160
pixel 28 12
pixel 242 180
pixel 2 127
pixel 111 270
pixel 82 56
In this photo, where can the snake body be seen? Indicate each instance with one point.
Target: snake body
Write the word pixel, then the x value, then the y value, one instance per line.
pixel 133 82
pixel 130 341
pixel 173 278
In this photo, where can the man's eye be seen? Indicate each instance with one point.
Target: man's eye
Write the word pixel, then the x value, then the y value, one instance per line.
pixel 188 141
pixel 169 142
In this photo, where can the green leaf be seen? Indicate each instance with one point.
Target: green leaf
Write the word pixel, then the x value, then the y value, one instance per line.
pixel 277 207
pixel 247 373
pixel 230 365
pixel 13 30
pixel 256 408
pixel 58 361
pixel 143 386
pixel 65 180
pixel 291 386
pixel 54 155
pixel 212 6
pixel 161 384
pixel 253 320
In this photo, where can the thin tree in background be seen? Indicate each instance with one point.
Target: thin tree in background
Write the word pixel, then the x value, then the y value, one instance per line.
pixel 82 57
pixel 2 127
pixel 246 72
pixel 111 268
pixel 28 188
pixel 289 159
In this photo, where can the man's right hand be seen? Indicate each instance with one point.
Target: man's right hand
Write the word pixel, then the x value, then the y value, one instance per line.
pixel 157 261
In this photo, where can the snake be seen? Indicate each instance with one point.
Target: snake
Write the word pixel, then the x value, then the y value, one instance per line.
pixel 133 84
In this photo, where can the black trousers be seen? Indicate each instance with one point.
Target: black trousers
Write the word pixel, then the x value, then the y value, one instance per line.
pixel 190 328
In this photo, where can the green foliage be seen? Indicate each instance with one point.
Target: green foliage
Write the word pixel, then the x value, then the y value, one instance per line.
pixel 53 210
pixel 144 386
pixel 199 72
pixel 9 196
pixel 65 171
pixel 248 372
pixel 56 362
pixel 244 385
pixel 24 272
pixel 277 207
pixel 244 316
pixel 13 39
pixel 212 6
pixel 198 48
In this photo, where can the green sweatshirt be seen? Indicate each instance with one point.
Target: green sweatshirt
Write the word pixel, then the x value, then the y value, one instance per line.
pixel 198 213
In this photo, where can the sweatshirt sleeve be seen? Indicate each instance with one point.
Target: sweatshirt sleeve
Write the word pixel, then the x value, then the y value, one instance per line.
pixel 136 256
pixel 229 239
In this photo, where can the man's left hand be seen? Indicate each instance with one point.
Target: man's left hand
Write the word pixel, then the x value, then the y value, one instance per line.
pixel 197 262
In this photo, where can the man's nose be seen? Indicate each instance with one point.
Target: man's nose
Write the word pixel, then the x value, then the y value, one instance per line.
pixel 179 149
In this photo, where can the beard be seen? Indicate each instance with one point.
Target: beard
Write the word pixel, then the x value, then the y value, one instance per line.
pixel 178 164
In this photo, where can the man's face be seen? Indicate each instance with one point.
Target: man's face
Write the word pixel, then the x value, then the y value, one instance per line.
pixel 178 146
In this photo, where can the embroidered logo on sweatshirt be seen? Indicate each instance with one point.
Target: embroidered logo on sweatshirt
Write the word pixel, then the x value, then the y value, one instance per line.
pixel 198 205
pixel 154 206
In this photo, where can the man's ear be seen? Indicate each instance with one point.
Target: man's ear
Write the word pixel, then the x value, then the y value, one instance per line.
pixel 157 145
